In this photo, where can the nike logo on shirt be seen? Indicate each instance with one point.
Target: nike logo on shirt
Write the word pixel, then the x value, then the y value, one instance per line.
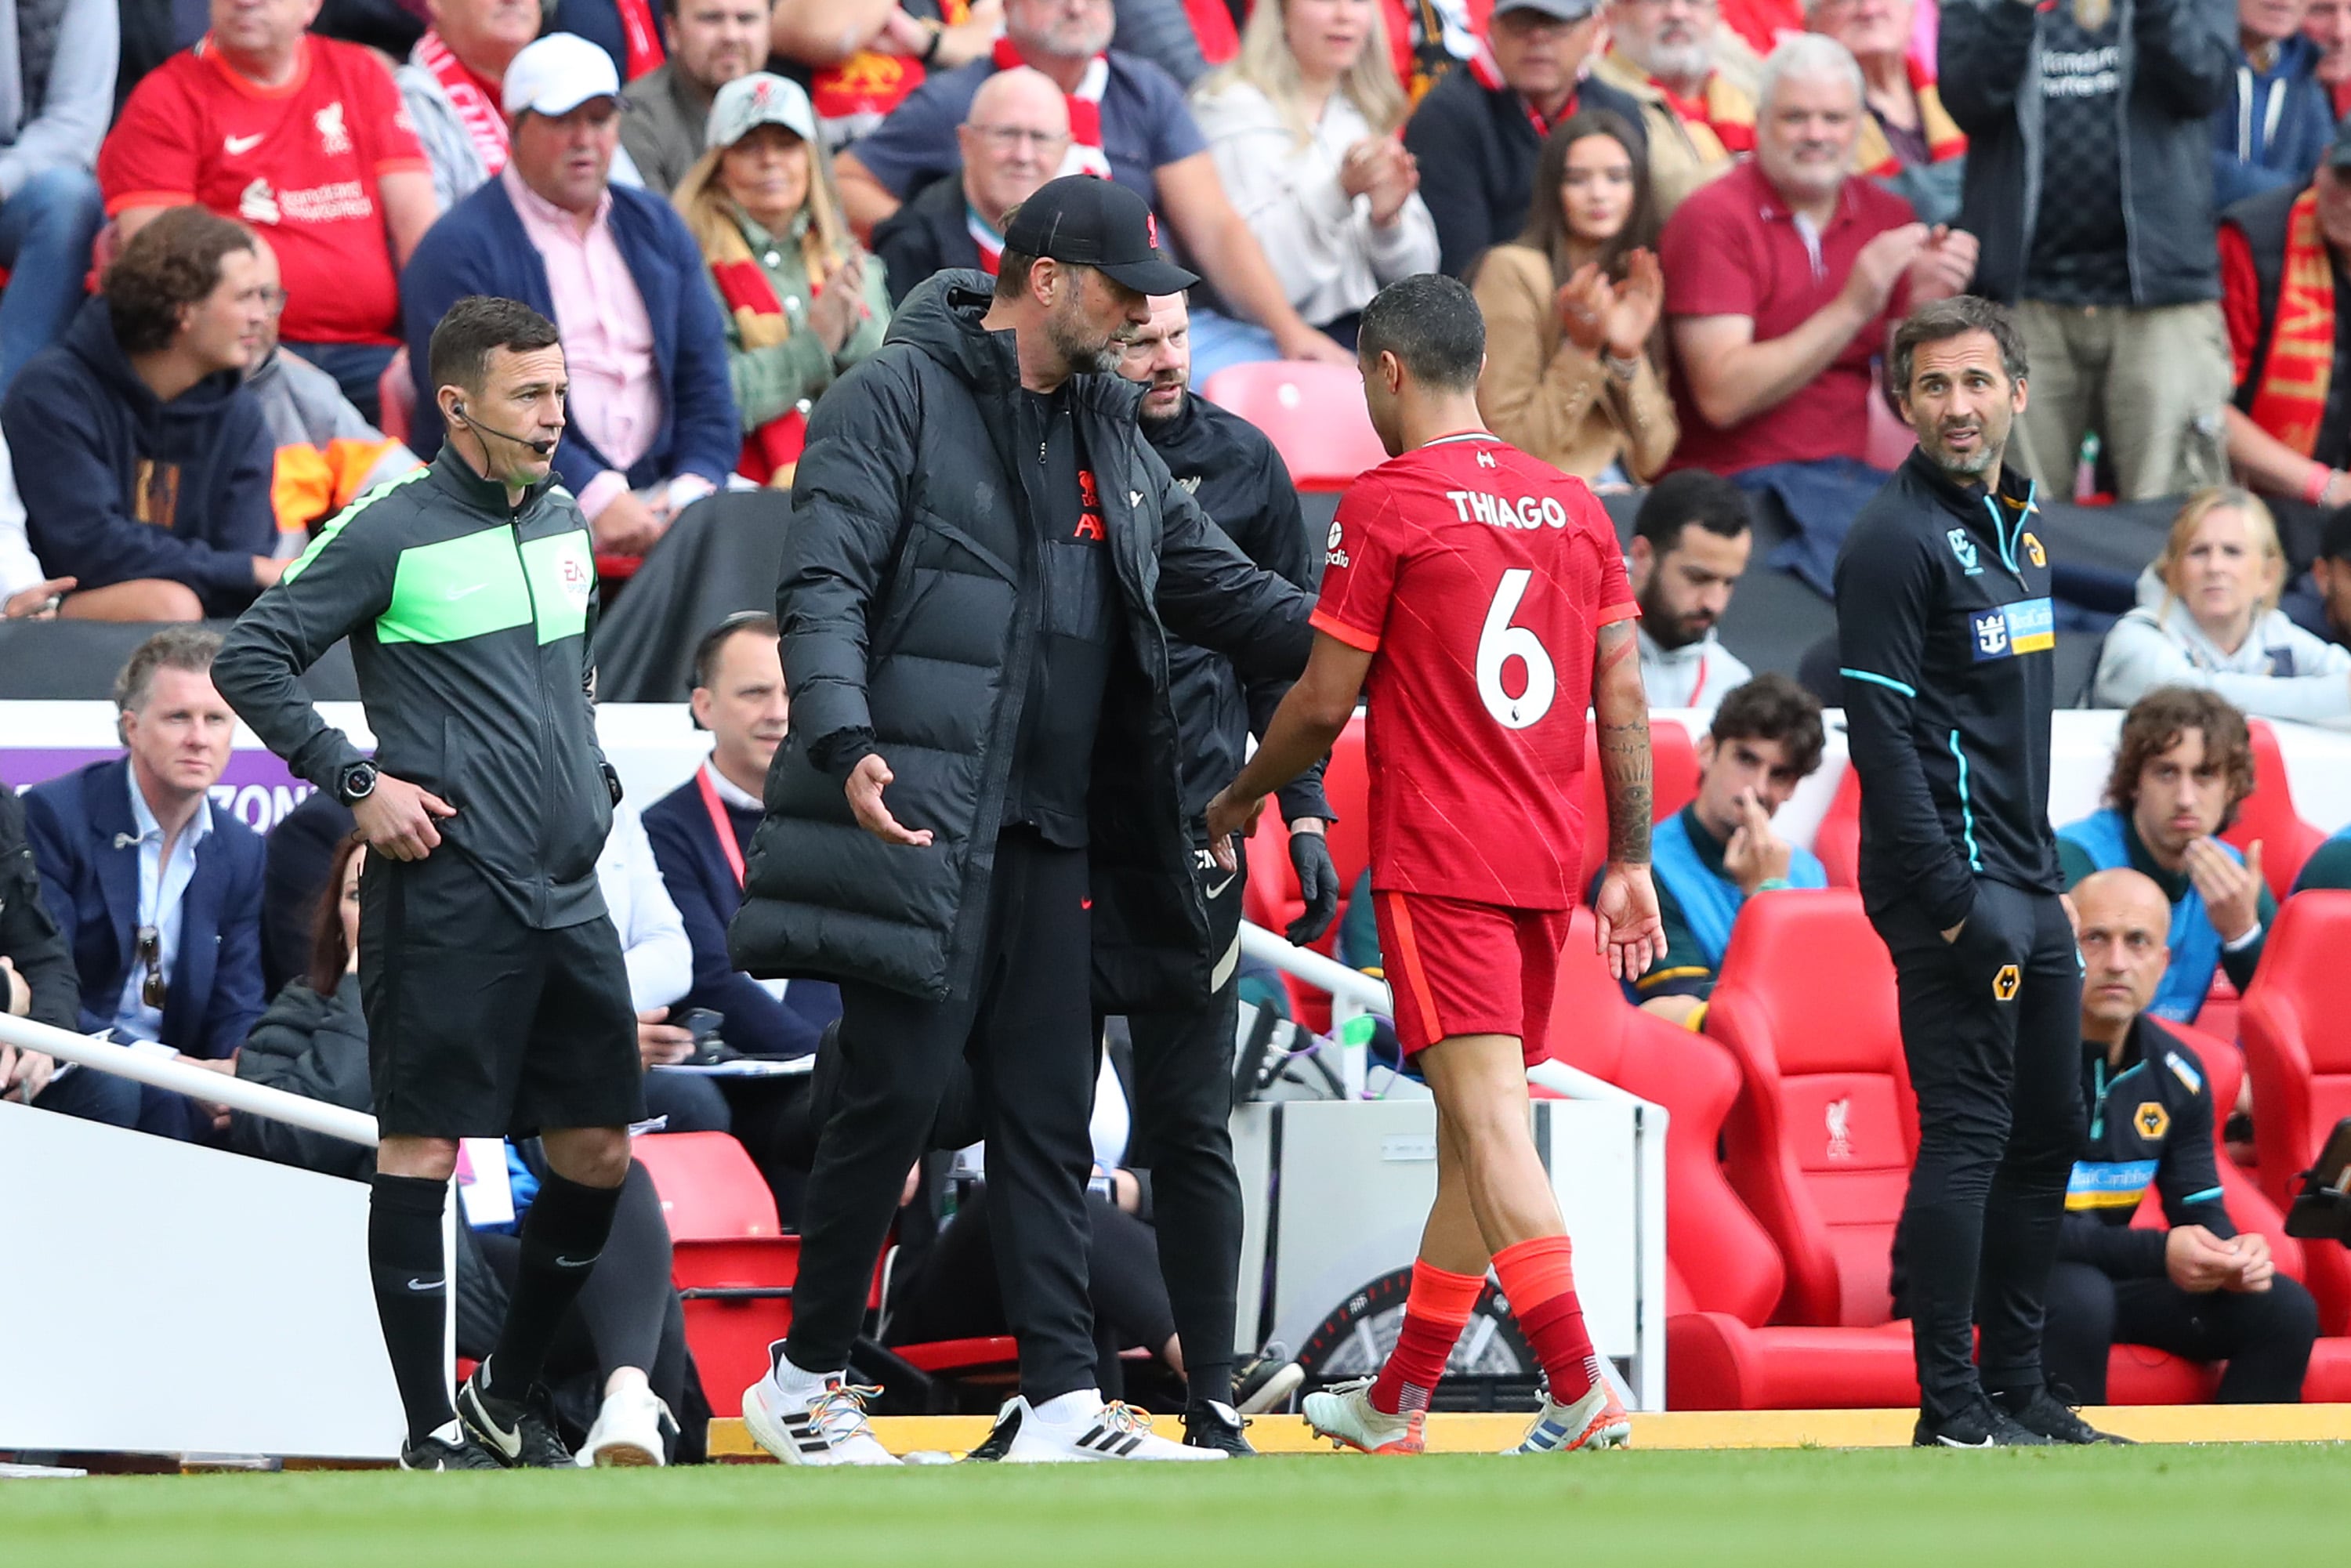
pixel 423 1284
pixel 1219 891
pixel 238 146
pixel 456 594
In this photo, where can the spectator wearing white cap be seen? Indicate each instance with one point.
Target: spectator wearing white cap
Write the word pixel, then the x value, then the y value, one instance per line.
pixel 452 85
pixel 653 425
pixel 801 302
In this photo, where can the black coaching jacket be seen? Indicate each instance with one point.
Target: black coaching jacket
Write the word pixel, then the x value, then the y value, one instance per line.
pixel 910 605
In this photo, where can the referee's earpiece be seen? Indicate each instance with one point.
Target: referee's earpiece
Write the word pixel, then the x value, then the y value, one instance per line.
pixel 458 408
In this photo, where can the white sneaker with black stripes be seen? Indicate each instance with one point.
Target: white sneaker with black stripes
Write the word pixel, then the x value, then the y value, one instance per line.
pixel 811 1418
pixel 1079 1428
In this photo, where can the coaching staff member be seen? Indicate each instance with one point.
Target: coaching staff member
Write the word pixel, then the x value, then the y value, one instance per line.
pixel 1944 637
pixel 1184 1056
pixel 982 551
pixel 496 1000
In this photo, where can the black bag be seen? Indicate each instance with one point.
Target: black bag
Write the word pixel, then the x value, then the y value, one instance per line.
pixel 2322 1210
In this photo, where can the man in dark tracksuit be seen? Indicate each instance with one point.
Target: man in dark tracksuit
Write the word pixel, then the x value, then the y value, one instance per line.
pixel 1184 1056
pixel 982 551
pixel 1944 634
pixel 496 999
pixel 2198 1289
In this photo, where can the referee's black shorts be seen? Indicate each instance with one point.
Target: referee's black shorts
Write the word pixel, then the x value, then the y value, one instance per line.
pixel 480 1025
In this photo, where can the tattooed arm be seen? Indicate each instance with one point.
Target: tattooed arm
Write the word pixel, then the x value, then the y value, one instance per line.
pixel 1631 933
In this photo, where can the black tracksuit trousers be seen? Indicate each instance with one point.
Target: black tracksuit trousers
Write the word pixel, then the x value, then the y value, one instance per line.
pixel 1184 1138
pixel 1992 1030
pixel 1025 1027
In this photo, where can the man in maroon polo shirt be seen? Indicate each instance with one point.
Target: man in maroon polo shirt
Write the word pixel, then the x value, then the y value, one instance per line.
pixel 1781 281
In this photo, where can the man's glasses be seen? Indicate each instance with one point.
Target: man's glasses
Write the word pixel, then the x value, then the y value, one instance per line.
pixel 272 300
pixel 1009 138
pixel 151 989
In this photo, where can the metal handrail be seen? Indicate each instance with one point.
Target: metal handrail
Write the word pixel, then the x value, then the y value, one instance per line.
pixel 197 1084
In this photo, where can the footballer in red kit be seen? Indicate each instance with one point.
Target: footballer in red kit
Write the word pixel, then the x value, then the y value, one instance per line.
pixel 1477 600
pixel 1478 577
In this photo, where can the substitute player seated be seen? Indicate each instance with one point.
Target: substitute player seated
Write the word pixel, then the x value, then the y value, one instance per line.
pixel 2199 1287
pixel 1721 851
pixel 1478 599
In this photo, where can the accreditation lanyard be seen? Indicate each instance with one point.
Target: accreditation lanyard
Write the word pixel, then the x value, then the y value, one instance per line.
pixel 720 822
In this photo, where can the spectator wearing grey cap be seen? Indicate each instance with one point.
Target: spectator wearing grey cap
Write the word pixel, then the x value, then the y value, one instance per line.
pixel 1477 133
pixel 801 303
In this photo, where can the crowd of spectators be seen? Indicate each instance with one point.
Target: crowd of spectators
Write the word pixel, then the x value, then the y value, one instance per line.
pixel 227 233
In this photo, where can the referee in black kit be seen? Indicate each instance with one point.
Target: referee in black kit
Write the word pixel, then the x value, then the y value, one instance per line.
pixel 496 1001
pixel 1945 636
pixel 976 822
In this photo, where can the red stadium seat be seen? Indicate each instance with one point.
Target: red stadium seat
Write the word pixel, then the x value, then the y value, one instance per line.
pixel 1313 413
pixel 1271 898
pixel 1821 1141
pixel 2268 814
pixel 728 1258
pixel 1837 841
pixel 2297 1038
pixel 1723 1274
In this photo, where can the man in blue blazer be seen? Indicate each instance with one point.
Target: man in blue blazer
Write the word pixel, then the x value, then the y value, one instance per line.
pixel 653 423
pixel 157 893
pixel 739 697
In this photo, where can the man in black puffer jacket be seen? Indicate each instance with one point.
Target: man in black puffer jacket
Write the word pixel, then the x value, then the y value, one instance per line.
pixel 989 622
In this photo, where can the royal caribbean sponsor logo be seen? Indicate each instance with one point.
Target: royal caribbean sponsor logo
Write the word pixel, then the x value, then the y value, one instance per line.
pixel 2027 626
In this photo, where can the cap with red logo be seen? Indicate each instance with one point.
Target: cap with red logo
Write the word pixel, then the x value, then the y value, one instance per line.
pixel 1090 222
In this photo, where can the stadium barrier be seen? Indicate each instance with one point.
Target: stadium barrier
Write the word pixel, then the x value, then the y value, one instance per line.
pixel 183 1300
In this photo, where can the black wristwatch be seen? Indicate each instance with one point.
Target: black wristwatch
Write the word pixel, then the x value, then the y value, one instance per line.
pixel 355 783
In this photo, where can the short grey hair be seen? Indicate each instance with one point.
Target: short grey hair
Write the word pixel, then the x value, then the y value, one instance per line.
pixel 1808 56
pixel 188 648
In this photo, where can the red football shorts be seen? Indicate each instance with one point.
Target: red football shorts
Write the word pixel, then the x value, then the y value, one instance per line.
pixel 1456 967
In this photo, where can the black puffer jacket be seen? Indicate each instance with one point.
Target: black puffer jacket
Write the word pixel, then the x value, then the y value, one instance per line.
pixel 316 1046
pixel 910 605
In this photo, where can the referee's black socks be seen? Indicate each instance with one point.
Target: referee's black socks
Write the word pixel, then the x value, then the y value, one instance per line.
pixel 411 1293
pixel 562 1236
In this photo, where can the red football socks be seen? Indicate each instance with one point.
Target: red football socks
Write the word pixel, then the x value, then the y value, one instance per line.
pixel 1540 1285
pixel 1434 1315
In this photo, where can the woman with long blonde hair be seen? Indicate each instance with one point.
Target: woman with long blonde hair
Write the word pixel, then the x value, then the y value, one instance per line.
pixel 2208 616
pixel 801 303
pixel 1302 126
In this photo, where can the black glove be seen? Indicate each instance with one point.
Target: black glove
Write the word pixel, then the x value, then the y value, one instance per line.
pixel 611 780
pixel 1318 884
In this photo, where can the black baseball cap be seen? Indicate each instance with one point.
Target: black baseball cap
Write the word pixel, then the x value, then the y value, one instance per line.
pixel 1092 222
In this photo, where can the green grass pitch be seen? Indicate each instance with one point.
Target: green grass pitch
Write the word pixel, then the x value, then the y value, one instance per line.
pixel 2081 1508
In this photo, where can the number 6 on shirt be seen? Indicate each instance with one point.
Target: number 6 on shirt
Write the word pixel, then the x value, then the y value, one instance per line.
pixel 1499 643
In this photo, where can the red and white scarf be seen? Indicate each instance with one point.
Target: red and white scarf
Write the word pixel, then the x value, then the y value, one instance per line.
pixel 990 243
pixel 1085 153
pixel 1489 77
pixel 640 38
pixel 484 126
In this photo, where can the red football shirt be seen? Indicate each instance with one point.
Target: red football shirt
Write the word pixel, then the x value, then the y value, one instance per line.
pixel 298 163
pixel 1478 579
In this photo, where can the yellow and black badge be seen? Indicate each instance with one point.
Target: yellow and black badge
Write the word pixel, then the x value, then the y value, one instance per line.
pixel 2151 1120
pixel 2033 549
pixel 2004 984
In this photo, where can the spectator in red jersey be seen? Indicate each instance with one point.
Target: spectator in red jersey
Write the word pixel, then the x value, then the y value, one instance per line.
pixel 152 483
pixel 1012 142
pixel 1910 144
pixel 1697 118
pixel 1781 280
pixel 301 137
pixel 711 42
pixel 2328 24
pixel 1127 120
